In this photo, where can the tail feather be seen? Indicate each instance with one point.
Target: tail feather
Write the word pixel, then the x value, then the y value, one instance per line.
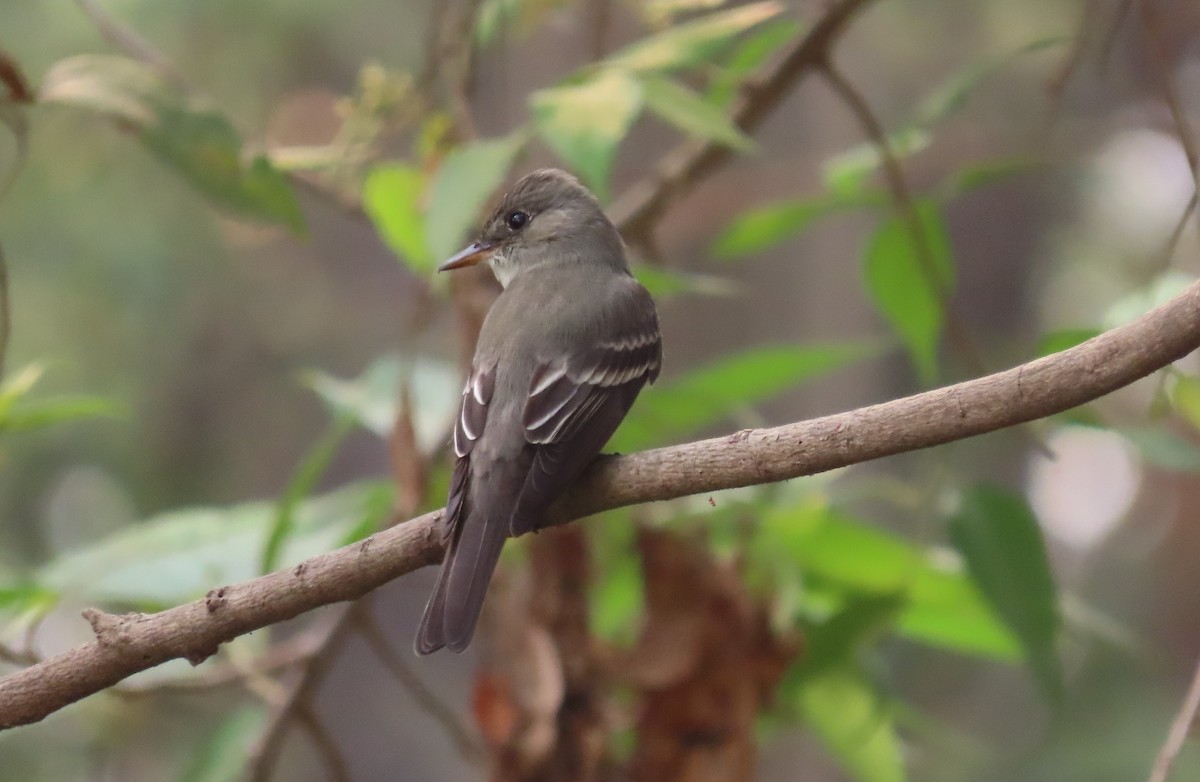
pixel 453 609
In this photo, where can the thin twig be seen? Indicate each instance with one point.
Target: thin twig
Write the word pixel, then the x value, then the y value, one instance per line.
pixel 17 657
pixel 1181 727
pixel 127 644
pixel 325 743
pixel 643 204
pixel 127 39
pixel 1056 85
pixel 266 750
pixel 426 699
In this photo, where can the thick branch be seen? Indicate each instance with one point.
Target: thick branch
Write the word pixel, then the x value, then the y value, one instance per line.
pixel 128 644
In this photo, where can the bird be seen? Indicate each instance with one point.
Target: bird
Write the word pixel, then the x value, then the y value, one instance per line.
pixel 562 354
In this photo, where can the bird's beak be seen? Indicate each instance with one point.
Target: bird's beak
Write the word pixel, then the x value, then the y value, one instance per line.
pixel 477 252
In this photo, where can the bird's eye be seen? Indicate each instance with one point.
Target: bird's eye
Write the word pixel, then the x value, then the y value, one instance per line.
pixel 517 220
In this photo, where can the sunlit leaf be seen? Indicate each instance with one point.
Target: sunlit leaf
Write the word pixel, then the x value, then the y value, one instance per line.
pixel 711 393
pixel 764 227
pixel 1164 449
pixel 1185 397
pixel 392 197
pixel 842 708
pixel 39 413
pixel 180 555
pixel 689 112
pixel 194 138
pixel 998 535
pixel 373 397
pixel 585 122
pixel 848 172
pixel 747 56
pixel 1063 339
pixel 834 642
pixel 695 42
pixel 898 279
pixel 222 757
pixel 466 179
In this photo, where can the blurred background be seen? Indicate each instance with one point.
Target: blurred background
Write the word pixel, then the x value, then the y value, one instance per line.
pixel 206 356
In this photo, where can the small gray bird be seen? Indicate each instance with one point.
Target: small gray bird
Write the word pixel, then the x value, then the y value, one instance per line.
pixel 561 356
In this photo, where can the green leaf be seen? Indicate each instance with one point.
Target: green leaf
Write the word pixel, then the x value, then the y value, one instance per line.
pixel 1136 303
pixel 851 720
pixel 40 413
pixel 711 393
pixel 192 137
pixel 689 112
pixel 372 398
pixel 180 555
pixel 664 283
pixel 941 606
pixel 392 197
pixel 751 53
pixel 848 172
pixel 1164 449
pixel 898 281
pixel 998 535
pixel 692 43
pixel 584 123
pixel 1063 339
pixel 862 619
pixel 1185 398
pixel 975 176
pixel 302 484
pixel 468 176
pixel 222 758
pixel 615 596
pixel 764 227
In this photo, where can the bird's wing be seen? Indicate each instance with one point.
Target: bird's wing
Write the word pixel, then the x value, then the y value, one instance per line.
pixel 577 401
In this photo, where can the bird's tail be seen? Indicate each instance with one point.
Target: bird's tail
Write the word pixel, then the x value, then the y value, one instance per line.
pixel 471 556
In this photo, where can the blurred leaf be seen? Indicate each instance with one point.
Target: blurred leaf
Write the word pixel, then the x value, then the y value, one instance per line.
pixel 584 123
pixel 180 555
pixel 1063 339
pixel 692 43
pixel 1164 449
pixel 1136 303
pixel 663 282
pixel 848 172
pixel 467 177
pixel 898 283
pixel 1185 398
pixel 834 642
pixel 615 597
pixel 17 385
pixel 975 176
pixel 222 757
pixel 764 227
pixel 392 197
pixel 26 597
pixel 710 393
pixel 843 710
pixel 40 413
pixel 372 399
pixel 303 482
pixel 689 112
pixel 997 534
pixel 941 606
pixel 749 55
pixel 952 94
pixel 194 138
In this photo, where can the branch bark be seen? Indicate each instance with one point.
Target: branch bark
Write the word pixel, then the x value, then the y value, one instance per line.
pixel 127 644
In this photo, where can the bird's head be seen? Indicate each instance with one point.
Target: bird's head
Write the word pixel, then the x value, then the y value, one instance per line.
pixel 547 218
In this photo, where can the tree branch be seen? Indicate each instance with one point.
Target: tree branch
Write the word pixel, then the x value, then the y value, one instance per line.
pixel 644 203
pixel 127 644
